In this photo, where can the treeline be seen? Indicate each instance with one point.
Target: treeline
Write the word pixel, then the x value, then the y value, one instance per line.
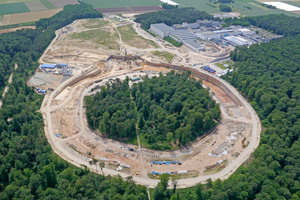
pixel 170 110
pixel 172 16
pixel 28 167
pixel 269 75
pixel 277 23
pixel 168 6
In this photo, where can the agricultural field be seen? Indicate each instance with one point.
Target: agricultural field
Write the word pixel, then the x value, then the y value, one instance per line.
pixel 130 37
pixel 245 7
pixel 47 4
pixel 21 18
pixel 12 8
pixel 122 3
pixel 35 6
pixel 22 11
pixel 62 3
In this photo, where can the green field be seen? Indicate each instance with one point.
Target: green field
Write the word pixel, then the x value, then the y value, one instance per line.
pixel 122 3
pixel 130 37
pixel 166 55
pixel 245 7
pixel 294 3
pixel 12 8
pixel 47 4
pixel 13 1
pixel 101 37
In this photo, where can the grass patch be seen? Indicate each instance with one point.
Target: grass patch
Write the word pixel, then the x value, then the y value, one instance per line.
pixel 130 37
pixel 221 64
pixel 101 37
pixel 47 4
pixel 173 42
pixel 12 8
pixel 132 141
pixel 166 55
pixel 95 23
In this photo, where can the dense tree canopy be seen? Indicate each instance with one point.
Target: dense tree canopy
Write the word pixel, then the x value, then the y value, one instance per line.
pixel 28 167
pixel 279 24
pixel 225 8
pixel 269 75
pixel 171 110
pixel 172 16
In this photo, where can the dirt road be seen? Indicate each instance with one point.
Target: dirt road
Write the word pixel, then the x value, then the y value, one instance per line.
pixel 7 86
pixel 78 160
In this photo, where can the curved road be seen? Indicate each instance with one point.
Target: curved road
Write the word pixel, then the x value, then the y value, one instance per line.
pixel 79 160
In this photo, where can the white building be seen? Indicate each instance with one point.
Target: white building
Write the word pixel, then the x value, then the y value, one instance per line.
pixel 161 30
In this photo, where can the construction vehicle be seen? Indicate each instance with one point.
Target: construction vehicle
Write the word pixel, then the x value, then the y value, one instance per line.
pixel 243 142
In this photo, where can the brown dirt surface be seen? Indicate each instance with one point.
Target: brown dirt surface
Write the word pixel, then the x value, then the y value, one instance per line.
pixel 15 29
pixel 35 6
pixel 62 3
pixel 219 93
pixel 130 9
pixel 45 81
pixel 28 17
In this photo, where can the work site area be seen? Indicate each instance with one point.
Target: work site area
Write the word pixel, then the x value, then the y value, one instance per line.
pixel 91 53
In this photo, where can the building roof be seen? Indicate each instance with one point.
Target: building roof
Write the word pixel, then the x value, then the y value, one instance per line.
pixel 237 40
pixel 193 44
pixel 208 34
pixel 52 66
pixel 183 34
pixel 62 64
pixel 162 27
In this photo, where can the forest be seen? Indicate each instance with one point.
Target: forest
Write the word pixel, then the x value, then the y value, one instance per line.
pixel 279 24
pixel 269 76
pixel 28 167
pixel 170 110
pixel 172 16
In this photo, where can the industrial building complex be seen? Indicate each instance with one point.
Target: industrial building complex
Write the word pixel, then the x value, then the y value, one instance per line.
pixel 65 68
pixel 196 34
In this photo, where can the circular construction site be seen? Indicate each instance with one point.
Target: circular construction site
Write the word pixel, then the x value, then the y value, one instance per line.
pixel 94 64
